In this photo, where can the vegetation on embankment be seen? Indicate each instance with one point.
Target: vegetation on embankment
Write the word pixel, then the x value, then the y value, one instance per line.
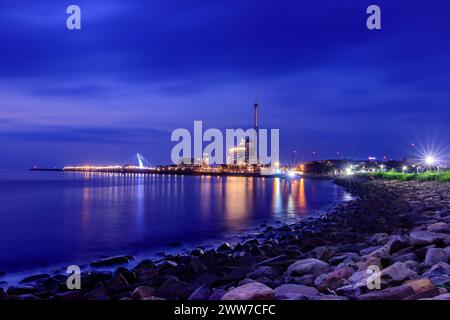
pixel 425 176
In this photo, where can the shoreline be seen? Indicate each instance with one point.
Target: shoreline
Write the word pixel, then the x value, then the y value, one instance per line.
pixel 402 227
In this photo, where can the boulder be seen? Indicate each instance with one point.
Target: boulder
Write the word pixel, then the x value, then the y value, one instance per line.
pixel 18 290
pixel 434 256
pixel 142 292
pixel 396 273
pixel 307 266
pixel 118 283
pixel 393 293
pixel 428 293
pixel 251 291
pixel 34 278
pixel 294 292
pixel 439 227
pixel 201 293
pixel 445 296
pixel 424 238
pixel 217 294
pixel 264 271
pixel 419 285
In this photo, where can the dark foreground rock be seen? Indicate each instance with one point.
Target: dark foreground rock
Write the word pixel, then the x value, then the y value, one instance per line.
pixel 392 242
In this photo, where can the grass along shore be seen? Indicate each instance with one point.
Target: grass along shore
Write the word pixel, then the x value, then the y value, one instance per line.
pixel 425 176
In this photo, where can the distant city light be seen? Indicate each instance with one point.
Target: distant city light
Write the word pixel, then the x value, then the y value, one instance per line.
pixel 348 171
pixel 291 174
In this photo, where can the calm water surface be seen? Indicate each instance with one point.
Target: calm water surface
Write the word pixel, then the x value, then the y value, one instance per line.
pixel 49 218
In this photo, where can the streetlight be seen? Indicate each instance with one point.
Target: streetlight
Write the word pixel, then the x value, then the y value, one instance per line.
pixel 404 169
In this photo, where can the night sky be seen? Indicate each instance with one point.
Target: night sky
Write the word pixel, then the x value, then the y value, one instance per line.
pixel 139 69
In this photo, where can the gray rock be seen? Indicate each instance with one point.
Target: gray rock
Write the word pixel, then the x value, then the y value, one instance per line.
pixel 393 293
pixel 424 238
pixel 294 292
pixel 434 256
pixel 201 293
pixel 440 227
pixel 142 292
pixel 445 296
pixel 217 294
pixel 251 291
pixel 397 272
pixel 307 266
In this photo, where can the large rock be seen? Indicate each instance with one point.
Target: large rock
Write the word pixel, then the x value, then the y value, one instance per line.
pixel 142 292
pixel 251 291
pixel 335 279
pixel 294 292
pixel 307 266
pixel 424 238
pixel 419 285
pixel 440 227
pixel 428 293
pixel 434 256
pixel 201 293
pixel 445 296
pixel 393 293
pixel 397 272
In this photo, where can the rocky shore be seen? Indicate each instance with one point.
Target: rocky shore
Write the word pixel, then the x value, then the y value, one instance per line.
pixel 401 227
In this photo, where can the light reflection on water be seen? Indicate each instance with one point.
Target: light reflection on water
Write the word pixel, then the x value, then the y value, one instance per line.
pixel 48 218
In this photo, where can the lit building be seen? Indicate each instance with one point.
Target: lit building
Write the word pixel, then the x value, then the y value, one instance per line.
pixel 237 155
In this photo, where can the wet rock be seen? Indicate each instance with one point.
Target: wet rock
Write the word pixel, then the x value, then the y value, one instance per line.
pixel 197 252
pixel 175 291
pixel 434 256
pixel 428 293
pixel 419 285
pixel 438 272
pixel 201 293
pixel 217 294
pixel 439 227
pixel 118 283
pixel 142 292
pixel 405 257
pixel 335 279
pixel 67 295
pixel 34 278
pixel 445 296
pixel 99 293
pixel 127 274
pixel 324 253
pixel 307 266
pixel 224 247
pixel 146 274
pixel 396 273
pixel 264 271
pixel 19 290
pixel 251 291
pixel 145 264
pixel 112 261
pixel 424 238
pixel 88 280
pixel 393 293
pixel 294 292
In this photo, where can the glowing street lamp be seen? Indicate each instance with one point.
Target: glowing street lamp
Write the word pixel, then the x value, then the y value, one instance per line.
pixel 430 160
pixel 404 169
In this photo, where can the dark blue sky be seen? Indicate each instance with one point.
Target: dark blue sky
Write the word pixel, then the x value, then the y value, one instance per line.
pixel 139 69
